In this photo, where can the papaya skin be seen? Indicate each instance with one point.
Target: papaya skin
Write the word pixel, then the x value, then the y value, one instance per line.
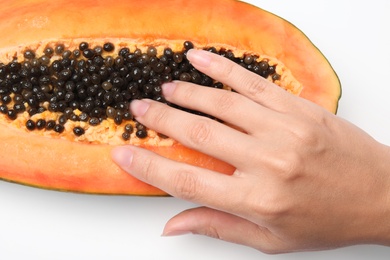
pixel 60 164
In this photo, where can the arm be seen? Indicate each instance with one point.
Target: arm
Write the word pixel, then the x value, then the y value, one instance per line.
pixel 305 179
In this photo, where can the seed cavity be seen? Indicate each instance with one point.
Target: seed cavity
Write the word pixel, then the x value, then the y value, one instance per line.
pixel 89 85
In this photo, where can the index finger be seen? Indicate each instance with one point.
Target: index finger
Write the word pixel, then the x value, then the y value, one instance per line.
pixel 242 80
pixel 188 182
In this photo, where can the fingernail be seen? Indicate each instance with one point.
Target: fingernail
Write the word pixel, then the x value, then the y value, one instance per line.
pixel 139 107
pixel 199 58
pixel 176 233
pixel 122 155
pixel 168 88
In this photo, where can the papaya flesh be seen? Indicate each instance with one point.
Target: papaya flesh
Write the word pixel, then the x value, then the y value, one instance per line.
pixel 60 115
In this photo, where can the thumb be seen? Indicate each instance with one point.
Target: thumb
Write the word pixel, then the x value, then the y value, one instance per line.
pixel 220 225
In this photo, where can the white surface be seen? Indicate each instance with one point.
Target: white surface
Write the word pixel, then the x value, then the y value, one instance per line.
pixel 40 224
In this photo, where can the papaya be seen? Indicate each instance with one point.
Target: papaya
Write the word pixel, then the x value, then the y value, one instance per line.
pixel 70 68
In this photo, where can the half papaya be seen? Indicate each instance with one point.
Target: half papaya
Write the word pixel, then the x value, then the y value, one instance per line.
pixel 70 68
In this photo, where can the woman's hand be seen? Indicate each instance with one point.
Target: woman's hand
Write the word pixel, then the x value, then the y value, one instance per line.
pixel 304 180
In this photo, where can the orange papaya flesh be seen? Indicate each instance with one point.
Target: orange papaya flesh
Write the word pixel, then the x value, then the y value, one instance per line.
pixel 81 167
pixel 74 154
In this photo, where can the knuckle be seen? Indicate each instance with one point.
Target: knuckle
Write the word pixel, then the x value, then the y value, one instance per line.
pixel 212 232
pixel 187 93
pixel 225 69
pixel 290 167
pixel 161 117
pixel 200 133
pixel 271 206
pixel 148 168
pixel 265 210
pixel 225 102
pixel 186 185
pixel 255 87
pixel 308 134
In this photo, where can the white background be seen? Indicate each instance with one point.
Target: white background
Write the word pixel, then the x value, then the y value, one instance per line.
pixel 41 224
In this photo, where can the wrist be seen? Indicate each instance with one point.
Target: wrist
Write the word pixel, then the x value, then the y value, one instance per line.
pixel 379 217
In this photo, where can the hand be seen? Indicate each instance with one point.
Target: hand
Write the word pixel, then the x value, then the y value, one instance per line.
pixel 305 179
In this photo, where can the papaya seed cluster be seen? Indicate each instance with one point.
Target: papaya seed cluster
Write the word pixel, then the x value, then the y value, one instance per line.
pixel 94 83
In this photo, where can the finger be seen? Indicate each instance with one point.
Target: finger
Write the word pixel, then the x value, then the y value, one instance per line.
pixel 228 106
pixel 179 179
pixel 241 80
pixel 224 226
pixel 197 132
